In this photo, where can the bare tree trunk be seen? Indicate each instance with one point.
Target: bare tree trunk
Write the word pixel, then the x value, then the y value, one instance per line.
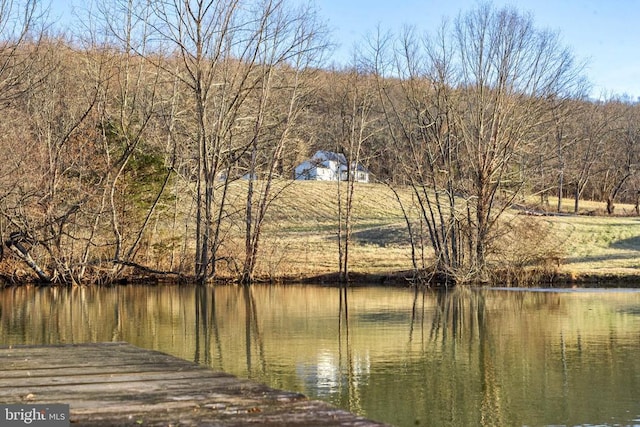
pixel 412 239
pixel 341 231
pixel 294 39
pixel 560 189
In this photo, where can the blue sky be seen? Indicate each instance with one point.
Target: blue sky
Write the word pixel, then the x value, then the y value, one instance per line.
pixel 605 33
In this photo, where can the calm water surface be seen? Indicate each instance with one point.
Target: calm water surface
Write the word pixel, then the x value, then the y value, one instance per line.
pixel 406 357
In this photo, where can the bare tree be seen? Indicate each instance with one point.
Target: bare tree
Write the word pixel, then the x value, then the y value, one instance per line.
pixel 595 128
pixel 22 24
pixel 622 159
pixel 474 98
pixel 60 114
pixel 132 150
pixel 45 194
pixel 216 46
pixel 357 124
pixel 564 138
pixel 292 41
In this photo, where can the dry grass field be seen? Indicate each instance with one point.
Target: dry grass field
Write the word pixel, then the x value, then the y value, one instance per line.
pixel 300 239
pixel 301 235
pixel 597 245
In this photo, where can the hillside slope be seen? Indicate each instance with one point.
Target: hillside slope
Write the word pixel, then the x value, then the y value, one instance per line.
pixel 301 236
pixel 302 229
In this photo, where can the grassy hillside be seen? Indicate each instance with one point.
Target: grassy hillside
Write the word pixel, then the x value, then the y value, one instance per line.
pixel 301 235
pixel 300 238
pixel 595 244
pixel 601 246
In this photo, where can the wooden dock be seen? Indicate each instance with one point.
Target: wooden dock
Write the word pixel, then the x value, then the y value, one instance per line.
pixel 111 384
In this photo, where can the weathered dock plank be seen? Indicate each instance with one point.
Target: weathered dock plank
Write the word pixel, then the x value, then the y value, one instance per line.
pixel 119 384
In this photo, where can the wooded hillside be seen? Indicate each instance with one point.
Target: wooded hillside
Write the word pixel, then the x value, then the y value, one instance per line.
pixel 157 137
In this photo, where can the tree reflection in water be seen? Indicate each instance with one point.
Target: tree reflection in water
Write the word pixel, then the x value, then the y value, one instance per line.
pixel 460 320
pixel 462 357
pixel 207 332
pixel 349 367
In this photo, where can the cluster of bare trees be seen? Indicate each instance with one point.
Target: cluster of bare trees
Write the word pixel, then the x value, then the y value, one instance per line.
pixel 120 140
pixel 151 95
pixel 592 153
pixel 485 111
pixel 465 112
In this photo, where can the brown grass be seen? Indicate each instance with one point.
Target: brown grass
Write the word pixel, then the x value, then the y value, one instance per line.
pixel 303 226
pixel 301 240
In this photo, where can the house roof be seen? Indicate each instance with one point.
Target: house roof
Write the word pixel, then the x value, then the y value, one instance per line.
pixel 323 155
pixel 321 158
pixel 360 167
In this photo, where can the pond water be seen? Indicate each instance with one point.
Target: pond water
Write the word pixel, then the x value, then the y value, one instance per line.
pixel 403 356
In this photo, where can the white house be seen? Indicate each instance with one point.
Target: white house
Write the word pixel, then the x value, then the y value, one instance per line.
pixel 328 166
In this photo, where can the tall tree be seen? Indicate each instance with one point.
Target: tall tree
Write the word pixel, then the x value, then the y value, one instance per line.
pixel 357 124
pixel 292 41
pixel 623 155
pixel 595 128
pixel 22 24
pixel 132 152
pixel 475 98
pixel 40 110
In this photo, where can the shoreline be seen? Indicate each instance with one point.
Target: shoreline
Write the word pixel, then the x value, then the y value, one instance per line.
pixel 360 279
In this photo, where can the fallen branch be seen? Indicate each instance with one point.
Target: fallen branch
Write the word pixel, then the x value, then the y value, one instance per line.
pixel 146 269
pixel 15 244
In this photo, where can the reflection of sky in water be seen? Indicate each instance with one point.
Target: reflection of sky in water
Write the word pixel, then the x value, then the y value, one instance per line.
pixel 327 376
